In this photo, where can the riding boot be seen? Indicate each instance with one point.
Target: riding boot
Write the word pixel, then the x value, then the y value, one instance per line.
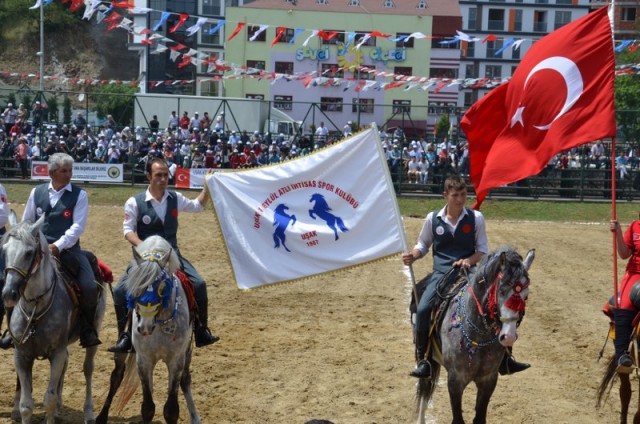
pixel 88 333
pixel 6 341
pixel 202 333
pixel 423 367
pixel 123 345
pixel 509 365
pixel 623 319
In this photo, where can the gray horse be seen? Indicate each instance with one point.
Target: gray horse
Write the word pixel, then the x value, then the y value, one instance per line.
pixel 44 321
pixel 162 331
pixel 477 326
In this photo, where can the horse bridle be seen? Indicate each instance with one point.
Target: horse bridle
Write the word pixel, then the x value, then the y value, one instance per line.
pixel 151 310
pixel 33 267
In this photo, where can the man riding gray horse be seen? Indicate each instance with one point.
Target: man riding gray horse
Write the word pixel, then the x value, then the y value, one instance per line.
pixel 65 207
pixel 155 212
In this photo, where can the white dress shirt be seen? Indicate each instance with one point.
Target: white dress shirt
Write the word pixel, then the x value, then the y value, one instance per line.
pixel 130 224
pixel 80 214
pixel 4 207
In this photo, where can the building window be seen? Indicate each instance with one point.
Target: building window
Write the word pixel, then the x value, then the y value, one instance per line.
pixel 287 35
pixel 360 35
pixel 542 1
pixel 209 88
pixel 284 67
pixel 493 71
pixel 436 42
pixel 336 39
pixel 515 53
pixel 389 4
pixel 422 4
pixel 513 69
pixel 628 14
pixel 493 47
pixel 470 71
pixel 283 102
pixel 496 19
pixel 443 73
pixel 471 50
pixel 366 105
pixel 473 16
pixel 354 3
pixel 540 21
pixel 407 43
pixel 256 65
pixel 331 70
pixel 403 70
pixel 254 96
pixel 211 7
pixel 252 30
pixel 205 38
pixel 322 1
pixel 564 2
pixel 470 97
pixel 331 104
pixel 562 18
pixel 517 20
pixel 362 75
pixel 402 106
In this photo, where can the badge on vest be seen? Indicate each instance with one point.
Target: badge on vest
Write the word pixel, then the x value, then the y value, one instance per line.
pixel 439 230
pixel 146 219
pixel 67 213
pixel 38 211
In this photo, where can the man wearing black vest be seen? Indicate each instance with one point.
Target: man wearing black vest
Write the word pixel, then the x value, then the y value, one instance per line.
pixel 65 207
pixel 155 212
pixel 459 239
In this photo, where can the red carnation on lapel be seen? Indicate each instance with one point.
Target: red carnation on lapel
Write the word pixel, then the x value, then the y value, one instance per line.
pixel 174 212
pixel 68 213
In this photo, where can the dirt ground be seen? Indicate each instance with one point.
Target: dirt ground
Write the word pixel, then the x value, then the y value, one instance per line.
pixel 340 348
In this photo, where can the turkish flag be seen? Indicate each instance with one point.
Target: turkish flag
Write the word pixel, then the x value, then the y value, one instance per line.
pixel 183 178
pixel 560 96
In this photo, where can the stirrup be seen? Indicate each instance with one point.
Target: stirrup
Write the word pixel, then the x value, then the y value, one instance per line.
pixel 625 364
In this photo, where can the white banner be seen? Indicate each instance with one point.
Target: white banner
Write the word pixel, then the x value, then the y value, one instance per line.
pixel 329 210
pixel 108 172
pixel 192 177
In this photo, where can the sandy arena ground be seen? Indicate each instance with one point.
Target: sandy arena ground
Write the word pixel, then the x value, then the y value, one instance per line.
pixel 340 348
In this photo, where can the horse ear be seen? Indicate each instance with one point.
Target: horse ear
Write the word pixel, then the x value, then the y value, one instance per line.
pixel 35 228
pixel 136 255
pixel 531 254
pixel 503 259
pixel 13 218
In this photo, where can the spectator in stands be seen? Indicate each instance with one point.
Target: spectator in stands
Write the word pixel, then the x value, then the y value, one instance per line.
pixel 185 121
pixel 413 171
pixel 9 117
pixel 321 134
pixel 80 122
pixel 37 116
pixel 35 151
pixel 113 154
pixel 219 125
pixel 423 170
pixel 22 155
pixel 205 122
pixel 347 130
pixel 195 122
pixel 154 124
pixel 174 121
pixel 597 156
pixel 22 115
pixel 197 159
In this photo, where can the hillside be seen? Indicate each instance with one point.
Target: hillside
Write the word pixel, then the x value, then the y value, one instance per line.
pixel 86 51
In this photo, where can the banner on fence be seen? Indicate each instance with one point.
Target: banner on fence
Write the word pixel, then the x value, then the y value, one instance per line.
pixel 330 210
pixel 106 172
pixel 192 177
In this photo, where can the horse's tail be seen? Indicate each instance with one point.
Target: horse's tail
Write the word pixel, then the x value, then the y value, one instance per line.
pixel 607 381
pixel 341 225
pixel 426 387
pixel 129 386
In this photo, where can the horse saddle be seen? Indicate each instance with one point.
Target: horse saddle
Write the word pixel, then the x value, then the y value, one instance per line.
pixel 189 291
pixel 70 267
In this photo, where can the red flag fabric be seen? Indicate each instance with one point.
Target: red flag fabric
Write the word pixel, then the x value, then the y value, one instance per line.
pixel 560 96
pixel 237 30
pixel 183 19
pixel 279 31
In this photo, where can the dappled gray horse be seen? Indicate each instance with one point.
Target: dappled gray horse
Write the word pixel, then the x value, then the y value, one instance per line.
pixel 44 321
pixel 479 323
pixel 162 331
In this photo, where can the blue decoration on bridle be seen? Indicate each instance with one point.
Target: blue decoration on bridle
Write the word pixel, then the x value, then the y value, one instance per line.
pixel 151 296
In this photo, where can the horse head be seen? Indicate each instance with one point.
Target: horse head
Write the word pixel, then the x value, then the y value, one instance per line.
pixel 150 286
pixel 509 292
pixel 24 248
pixel 319 199
pixel 281 208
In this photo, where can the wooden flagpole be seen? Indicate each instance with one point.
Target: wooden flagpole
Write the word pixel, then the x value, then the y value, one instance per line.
pixel 613 216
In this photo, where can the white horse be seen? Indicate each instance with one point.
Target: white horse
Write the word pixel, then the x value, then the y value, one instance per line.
pixel 44 321
pixel 162 331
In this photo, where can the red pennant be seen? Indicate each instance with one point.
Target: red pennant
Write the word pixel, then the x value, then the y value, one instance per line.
pixel 183 19
pixel 237 30
pixel 394 85
pixel 122 4
pixel 379 34
pixel 186 60
pixel 148 42
pixel 75 5
pixel 327 35
pixel 146 31
pixel 279 31
pixel 359 86
pixel 489 37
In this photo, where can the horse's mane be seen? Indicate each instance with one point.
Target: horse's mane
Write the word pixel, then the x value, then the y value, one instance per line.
pixel 24 232
pixel 144 274
pixel 490 265
pixel 321 202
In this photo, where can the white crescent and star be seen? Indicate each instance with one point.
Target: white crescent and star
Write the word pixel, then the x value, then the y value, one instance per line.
pixel 182 177
pixel 572 79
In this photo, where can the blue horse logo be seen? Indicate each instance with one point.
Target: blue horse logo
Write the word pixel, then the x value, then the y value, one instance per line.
pixel 281 220
pixel 323 211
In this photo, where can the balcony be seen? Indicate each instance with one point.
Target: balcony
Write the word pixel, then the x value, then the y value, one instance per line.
pixel 539 27
pixel 495 25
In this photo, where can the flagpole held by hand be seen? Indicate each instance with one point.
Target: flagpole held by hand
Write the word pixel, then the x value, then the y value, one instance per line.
pixel 613 216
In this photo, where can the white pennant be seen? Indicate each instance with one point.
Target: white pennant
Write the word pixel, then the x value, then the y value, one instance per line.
pixel 313 34
pixel 260 30
pixel 195 28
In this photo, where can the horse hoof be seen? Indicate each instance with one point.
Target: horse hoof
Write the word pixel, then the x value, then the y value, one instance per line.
pixel 15 416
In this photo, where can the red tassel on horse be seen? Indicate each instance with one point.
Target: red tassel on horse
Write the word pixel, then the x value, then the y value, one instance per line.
pixel 515 303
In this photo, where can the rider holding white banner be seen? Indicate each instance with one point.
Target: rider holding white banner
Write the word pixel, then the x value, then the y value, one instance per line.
pixel 155 212
pixel 459 240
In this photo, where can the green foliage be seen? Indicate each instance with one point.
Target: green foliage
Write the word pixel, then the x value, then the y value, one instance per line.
pixel 442 127
pixel 52 109
pixel 15 16
pixel 627 100
pixel 11 98
pixel 116 100
pixel 26 101
pixel 66 110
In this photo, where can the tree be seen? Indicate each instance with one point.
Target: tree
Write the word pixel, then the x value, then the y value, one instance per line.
pixel 442 127
pixel 52 109
pixel 116 100
pixel 66 110
pixel 627 98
